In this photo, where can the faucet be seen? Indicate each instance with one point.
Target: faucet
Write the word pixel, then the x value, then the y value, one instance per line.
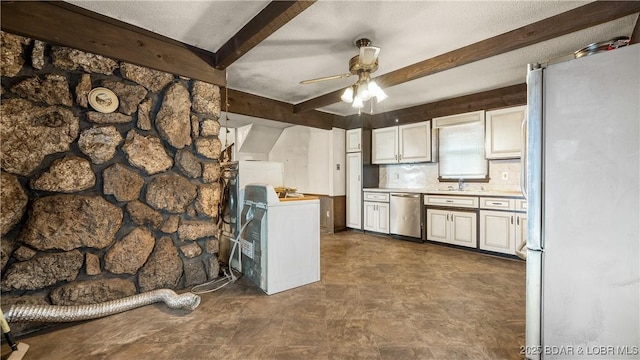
pixel 460 184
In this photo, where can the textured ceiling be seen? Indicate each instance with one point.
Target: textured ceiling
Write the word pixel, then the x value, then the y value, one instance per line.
pixel 320 41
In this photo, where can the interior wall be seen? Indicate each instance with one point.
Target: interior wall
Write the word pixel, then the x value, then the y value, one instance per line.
pixel 308 155
pixel 425 176
pixel 98 206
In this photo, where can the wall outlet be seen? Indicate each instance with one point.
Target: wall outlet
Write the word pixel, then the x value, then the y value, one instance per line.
pixel 337 166
pixel 505 175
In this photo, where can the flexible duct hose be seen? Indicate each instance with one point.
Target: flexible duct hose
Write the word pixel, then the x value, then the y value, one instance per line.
pixel 53 313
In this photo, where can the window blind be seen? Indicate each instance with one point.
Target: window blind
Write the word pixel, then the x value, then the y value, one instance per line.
pixel 461 151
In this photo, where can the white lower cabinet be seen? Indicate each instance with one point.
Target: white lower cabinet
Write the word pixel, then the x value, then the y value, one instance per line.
pixel 376 217
pixel 452 227
pixel 502 231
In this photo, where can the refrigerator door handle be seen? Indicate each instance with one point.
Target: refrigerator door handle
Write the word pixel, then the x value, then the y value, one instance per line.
pixel 533 161
pixel 523 158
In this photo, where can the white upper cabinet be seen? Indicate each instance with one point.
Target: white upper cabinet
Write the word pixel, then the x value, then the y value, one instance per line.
pixel 354 140
pixel 414 142
pixel 402 144
pixel 384 147
pixel 504 132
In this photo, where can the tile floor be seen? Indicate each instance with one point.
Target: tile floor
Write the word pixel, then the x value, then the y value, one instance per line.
pixel 379 298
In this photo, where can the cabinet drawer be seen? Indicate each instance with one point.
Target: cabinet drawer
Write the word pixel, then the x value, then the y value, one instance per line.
pixel 376 196
pixel 497 203
pixel 521 205
pixel 453 201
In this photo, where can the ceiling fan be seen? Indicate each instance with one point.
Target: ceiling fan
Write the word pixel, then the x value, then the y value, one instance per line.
pixel 362 65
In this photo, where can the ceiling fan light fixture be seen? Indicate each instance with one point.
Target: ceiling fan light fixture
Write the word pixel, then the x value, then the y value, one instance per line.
pixel 377 91
pixel 363 92
pixel 347 95
pixel 357 103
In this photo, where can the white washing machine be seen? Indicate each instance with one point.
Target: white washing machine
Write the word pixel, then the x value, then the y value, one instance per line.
pixel 281 243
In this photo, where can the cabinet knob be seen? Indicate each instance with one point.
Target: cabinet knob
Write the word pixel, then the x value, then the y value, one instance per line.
pixel 518 220
pixel 512 219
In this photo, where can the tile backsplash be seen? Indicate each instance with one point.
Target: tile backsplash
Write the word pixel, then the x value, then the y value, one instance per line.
pixel 425 176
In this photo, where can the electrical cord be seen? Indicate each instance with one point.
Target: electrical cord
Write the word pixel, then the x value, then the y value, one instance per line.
pixel 230 277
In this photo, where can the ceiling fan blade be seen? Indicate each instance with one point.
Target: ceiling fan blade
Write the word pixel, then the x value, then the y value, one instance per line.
pixel 369 54
pixel 333 77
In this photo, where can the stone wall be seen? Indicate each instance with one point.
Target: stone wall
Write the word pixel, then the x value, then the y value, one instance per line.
pixel 97 206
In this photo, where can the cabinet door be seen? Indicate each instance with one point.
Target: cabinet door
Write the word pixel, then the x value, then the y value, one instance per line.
pixel 354 138
pixel 370 216
pixel 497 231
pixel 521 229
pixel 438 225
pixel 384 147
pixel 354 190
pixel 503 139
pixel 463 229
pixel 383 218
pixel 414 142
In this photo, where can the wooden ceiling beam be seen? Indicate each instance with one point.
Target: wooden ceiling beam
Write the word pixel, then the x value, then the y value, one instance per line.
pixel 258 106
pixel 65 24
pixel 635 34
pixel 487 100
pixel 271 18
pixel 573 20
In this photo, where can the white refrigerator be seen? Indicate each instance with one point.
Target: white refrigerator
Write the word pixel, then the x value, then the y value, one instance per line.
pixel 583 191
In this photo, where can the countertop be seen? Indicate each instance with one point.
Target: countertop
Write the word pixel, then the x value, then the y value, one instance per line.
pixel 488 193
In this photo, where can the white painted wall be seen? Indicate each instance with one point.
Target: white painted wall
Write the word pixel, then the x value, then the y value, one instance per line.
pixel 309 156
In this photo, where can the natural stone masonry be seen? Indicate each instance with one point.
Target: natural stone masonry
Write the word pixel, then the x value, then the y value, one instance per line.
pixel 110 118
pixel 92 292
pixel 207 200
pixel 163 269
pixel 100 143
pixel 153 80
pixel 29 133
pixel 23 253
pixel 172 193
pixel 73 59
pixel 82 90
pixel 68 175
pixel 195 229
pixel 129 254
pixel 37 55
pixel 209 147
pixel 142 214
pixel 43 270
pixel 210 172
pixel 188 163
pixel 52 89
pixel 144 113
pixel 68 222
pixel 121 182
pixel 129 96
pixel 173 120
pixel 13 204
pixel 115 195
pixel 191 250
pixel 92 264
pixel 146 153
pixel 11 59
pixel 210 127
pixel 202 95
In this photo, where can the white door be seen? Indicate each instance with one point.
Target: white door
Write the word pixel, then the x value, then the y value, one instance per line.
pixel 384 147
pixel 383 218
pixel 354 190
pixel 503 127
pixel 370 216
pixel 463 228
pixel 414 142
pixel 438 225
pixel 354 138
pixel 497 231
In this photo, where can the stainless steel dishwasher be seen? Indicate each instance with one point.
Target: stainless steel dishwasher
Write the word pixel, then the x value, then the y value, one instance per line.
pixel 404 215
